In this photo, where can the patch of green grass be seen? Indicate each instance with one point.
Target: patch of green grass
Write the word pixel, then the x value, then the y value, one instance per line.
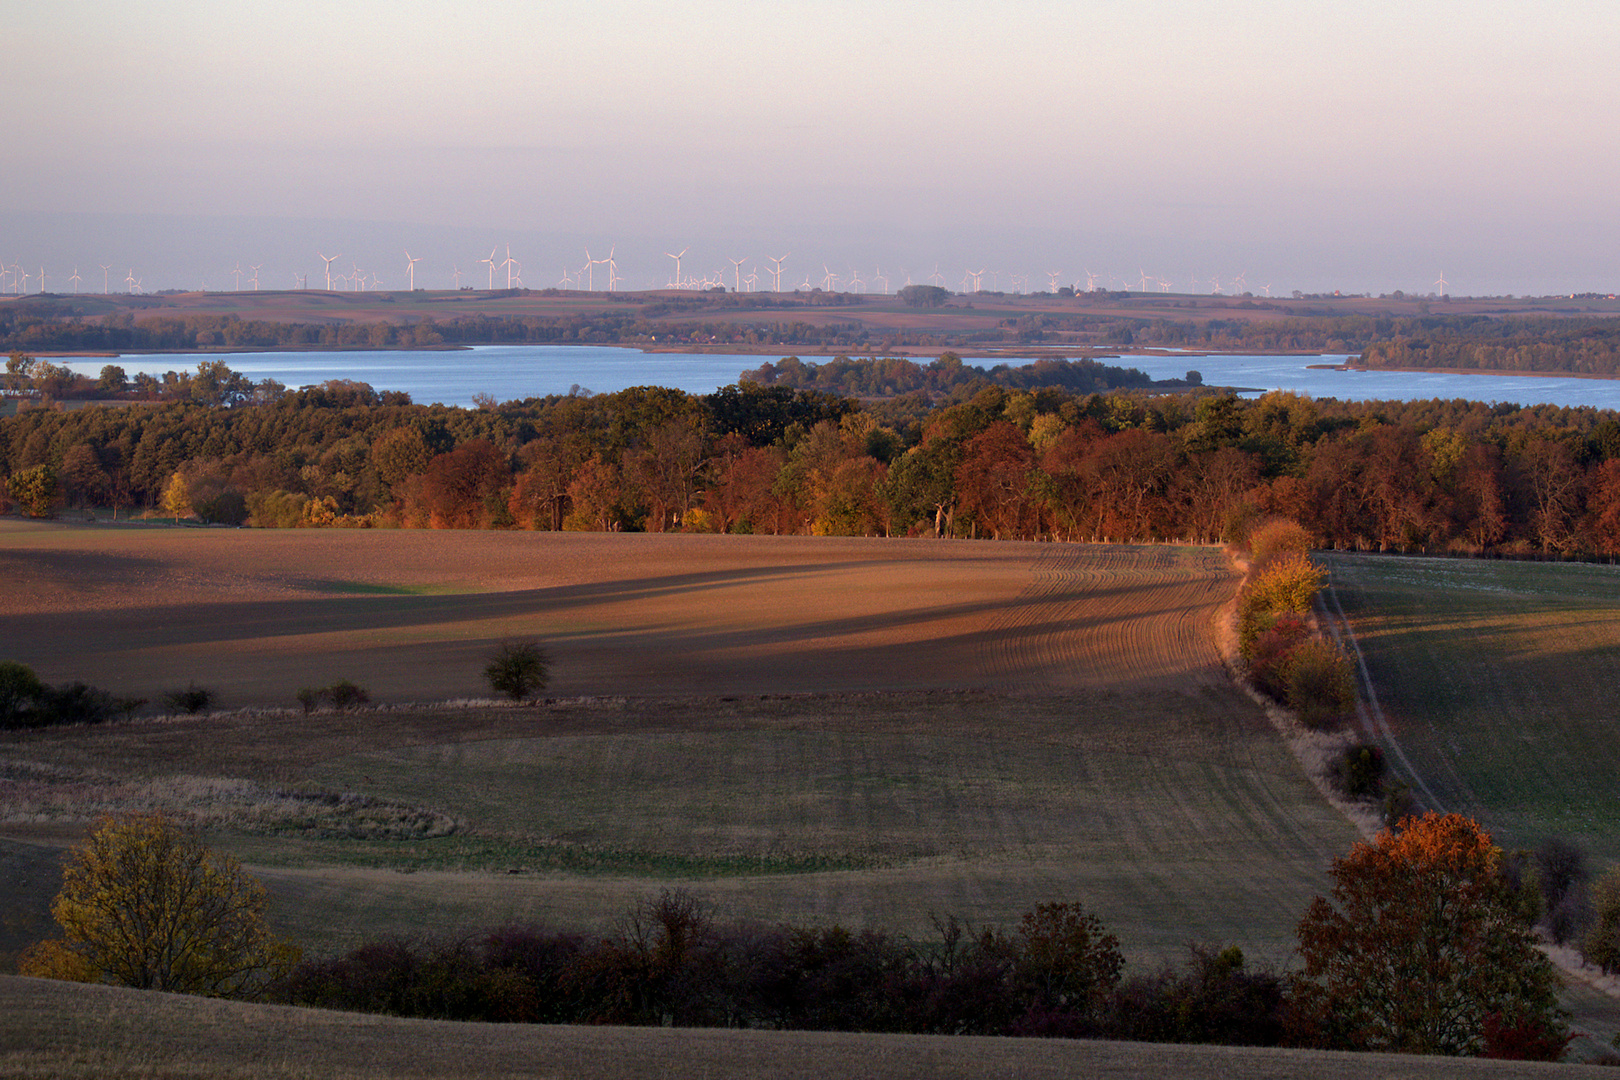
pixel 1497 678
pixel 1177 816
pixel 520 855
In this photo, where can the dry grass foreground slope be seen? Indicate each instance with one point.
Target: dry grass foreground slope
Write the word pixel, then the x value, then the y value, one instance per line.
pixel 410 615
pixel 62 1031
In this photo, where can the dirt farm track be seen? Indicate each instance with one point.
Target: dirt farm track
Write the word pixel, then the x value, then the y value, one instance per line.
pixel 410 614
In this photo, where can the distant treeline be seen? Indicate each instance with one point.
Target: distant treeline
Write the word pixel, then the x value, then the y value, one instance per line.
pixel 1578 346
pixel 767 322
pixel 892 376
pixel 979 461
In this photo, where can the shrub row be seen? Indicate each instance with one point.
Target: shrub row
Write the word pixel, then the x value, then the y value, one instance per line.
pixel 26 702
pixel 1287 659
pixel 671 963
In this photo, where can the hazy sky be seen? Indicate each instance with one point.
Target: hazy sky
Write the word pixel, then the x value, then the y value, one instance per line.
pixel 1363 146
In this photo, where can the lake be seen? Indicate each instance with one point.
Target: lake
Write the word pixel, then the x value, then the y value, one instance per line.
pixel 507 372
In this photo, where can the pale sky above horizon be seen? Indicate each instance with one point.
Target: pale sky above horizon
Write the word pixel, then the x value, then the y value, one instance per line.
pixel 1367 147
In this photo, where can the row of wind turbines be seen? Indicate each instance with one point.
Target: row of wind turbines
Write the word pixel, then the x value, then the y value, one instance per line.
pixel 15 279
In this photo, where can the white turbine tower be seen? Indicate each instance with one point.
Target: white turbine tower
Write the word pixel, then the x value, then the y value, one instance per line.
pixel 855 281
pixel 256 276
pixel 129 279
pixel 491 261
pixel 455 275
pixel 238 273
pixel 677 258
pixel 736 273
pixel 936 277
pixel 1052 285
pixel 329 263
pixel 104 270
pixel 410 268
pixel 613 269
pixel 75 280
pixel 879 275
pixel 508 264
pixel 1440 282
pixel 778 271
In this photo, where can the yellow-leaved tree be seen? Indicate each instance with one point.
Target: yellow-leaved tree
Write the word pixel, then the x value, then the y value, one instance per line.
pixel 145 904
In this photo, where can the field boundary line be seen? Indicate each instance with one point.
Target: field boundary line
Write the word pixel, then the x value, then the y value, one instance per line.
pixel 1368 711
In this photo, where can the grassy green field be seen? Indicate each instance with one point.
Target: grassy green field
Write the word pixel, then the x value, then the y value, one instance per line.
pixel 1496 679
pixel 1178 815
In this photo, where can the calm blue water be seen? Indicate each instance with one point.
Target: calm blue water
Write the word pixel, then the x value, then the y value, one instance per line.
pixel 508 372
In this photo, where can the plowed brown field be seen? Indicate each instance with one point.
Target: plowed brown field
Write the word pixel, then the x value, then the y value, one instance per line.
pixel 410 615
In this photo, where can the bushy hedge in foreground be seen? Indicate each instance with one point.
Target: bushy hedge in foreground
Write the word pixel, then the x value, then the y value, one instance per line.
pixel 27 702
pixel 1058 974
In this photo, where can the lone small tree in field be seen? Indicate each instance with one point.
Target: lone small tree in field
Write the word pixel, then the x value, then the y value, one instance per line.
pixel 518 669
pixel 145 904
pixel 1427 949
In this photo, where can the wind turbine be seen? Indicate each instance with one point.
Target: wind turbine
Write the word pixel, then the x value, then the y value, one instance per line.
pixel 104 270
pixel 75 280
pixel 509 263
pixel 613 269
pixel 1144 274
pixel 778 271
pixel 1091 281
pixel 130 279
pixel 1440 281
pixel 1268 291
pixel 238 273
pixel 491 261
pixel 677 259
pixel 455 275
pixel 410 268
pixel 1052 285
pixel 736 273
pixel 855 281
pixel 879 275
pixel 830 282
pixel 256 276
pixel 936 277
pixel 329 263
pixel 590 270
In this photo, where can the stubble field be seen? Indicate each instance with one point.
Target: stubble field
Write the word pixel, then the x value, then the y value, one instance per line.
pixel 866 732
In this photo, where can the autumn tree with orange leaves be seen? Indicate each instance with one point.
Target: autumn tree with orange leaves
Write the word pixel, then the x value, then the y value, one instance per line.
pixel 1426 949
